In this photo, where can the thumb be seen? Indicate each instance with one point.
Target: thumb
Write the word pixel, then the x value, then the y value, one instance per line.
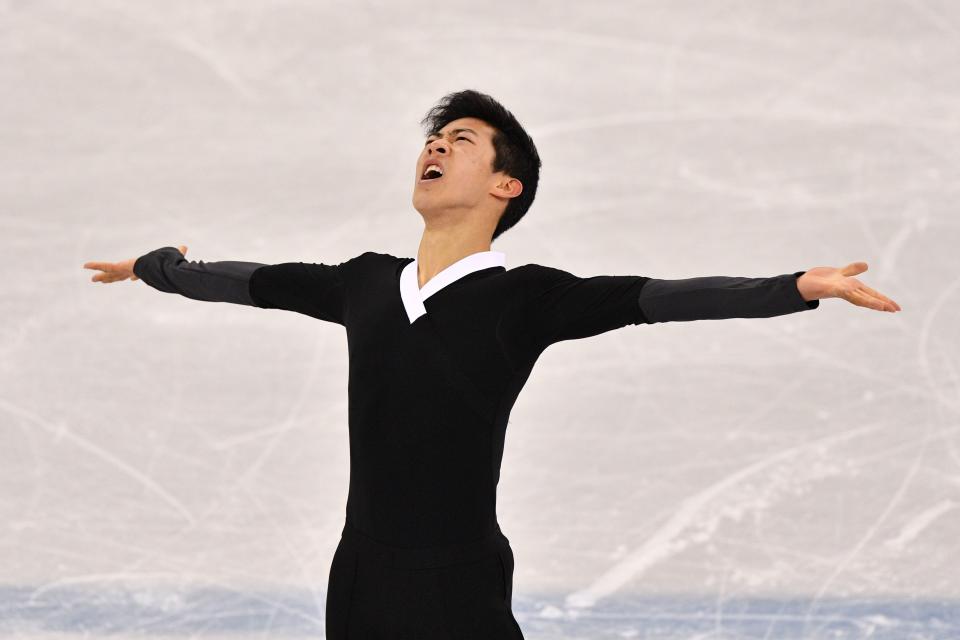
pixel 854 268
pixel 183 249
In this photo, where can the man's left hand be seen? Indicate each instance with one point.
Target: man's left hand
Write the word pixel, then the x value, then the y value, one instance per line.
pixel 830 282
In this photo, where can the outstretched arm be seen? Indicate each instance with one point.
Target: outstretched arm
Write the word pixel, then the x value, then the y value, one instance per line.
pixel 721 297
pixel 167 269
pixel 562 306
pixel 313 289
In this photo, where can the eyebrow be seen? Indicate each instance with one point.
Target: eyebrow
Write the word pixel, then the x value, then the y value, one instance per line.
pixel 455 131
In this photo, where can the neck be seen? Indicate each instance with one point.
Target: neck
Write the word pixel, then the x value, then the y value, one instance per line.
pixel 440 248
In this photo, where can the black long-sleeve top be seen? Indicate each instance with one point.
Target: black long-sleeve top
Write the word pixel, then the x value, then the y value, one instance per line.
pixel 430 394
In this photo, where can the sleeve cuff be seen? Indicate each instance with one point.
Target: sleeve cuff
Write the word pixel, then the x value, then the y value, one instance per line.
pixel 150 263
pixel 799 303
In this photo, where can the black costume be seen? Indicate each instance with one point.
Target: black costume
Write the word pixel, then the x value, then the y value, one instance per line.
pixel 434 373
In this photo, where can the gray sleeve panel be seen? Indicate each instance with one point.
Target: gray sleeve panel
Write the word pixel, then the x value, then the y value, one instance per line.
pixel 166 269
pixel 720 297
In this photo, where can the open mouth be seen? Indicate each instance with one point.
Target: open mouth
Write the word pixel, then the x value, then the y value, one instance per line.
pixel 432 172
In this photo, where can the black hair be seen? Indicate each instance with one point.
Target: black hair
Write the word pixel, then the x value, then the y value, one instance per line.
pixel 514 151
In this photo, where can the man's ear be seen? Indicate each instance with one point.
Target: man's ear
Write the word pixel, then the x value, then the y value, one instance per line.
pixel 507 187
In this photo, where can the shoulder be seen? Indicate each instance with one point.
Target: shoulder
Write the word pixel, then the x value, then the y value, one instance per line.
pixel 376 258
pixel 371 261
pixel 539 275
pixel 383 257
pixel 362 271
pixel 533 270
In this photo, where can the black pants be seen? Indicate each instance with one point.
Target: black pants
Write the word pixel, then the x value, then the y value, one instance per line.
pixel 461 592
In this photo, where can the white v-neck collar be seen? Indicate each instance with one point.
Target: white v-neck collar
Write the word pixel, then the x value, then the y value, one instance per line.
pixel 413 296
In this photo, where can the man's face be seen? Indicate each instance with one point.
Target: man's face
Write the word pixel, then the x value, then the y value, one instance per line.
pixel 464 150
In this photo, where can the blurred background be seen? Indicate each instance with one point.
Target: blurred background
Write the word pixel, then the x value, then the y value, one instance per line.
pixel 176 468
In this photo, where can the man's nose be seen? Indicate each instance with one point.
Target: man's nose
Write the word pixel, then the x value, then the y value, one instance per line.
pixel 439 147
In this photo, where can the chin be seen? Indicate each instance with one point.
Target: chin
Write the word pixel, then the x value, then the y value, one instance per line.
pixel 419 204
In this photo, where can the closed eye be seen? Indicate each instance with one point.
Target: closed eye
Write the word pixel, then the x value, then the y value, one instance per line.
pixel 458 138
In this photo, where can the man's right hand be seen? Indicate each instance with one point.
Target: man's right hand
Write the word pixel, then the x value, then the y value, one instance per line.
pixel 116 271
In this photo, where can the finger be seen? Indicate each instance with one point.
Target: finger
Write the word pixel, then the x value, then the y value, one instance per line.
pixel 862 299
pixel 893 305
pixel 886 304
pixel 106 267
pixel 872 292
pixel 854 268
pixel 95 265
pixel 183 249
pixel 100 276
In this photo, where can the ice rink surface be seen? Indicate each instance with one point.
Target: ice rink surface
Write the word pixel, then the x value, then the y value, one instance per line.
pixel 176 468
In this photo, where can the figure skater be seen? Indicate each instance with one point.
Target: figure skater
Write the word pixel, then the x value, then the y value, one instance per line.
pixel 440 346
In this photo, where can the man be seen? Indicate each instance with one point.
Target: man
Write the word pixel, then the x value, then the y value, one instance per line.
pixel 440 346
